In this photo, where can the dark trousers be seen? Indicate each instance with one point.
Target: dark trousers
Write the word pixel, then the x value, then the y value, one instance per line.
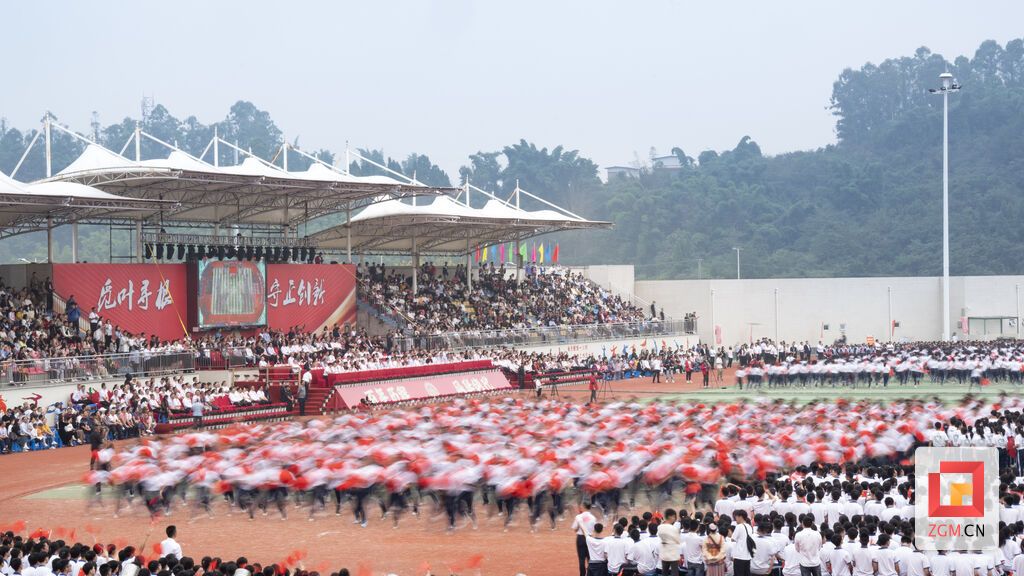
pixel 302 406
pixel 581 553
pixel 741 567
pixel 812 571
pixel 670 568
pixel 598 569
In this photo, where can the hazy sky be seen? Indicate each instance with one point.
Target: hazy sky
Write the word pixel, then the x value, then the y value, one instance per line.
pixel 449 78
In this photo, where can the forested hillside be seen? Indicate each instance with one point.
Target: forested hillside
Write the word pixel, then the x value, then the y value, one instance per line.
pixel 868 205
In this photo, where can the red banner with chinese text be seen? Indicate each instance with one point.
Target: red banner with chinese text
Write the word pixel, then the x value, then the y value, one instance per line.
pixel 310 296
pixel 423 388
pixel 137 298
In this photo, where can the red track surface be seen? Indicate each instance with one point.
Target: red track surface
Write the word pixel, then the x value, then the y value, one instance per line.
pixel 331 542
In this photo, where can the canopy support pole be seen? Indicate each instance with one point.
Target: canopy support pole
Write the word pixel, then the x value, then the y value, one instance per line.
pixel 138 142
pixel 469 266
pixel 519 261
pixel 415 267
pixel 216 147
pixel 348 230
pixel 49 155
pixel 138 241
pixel 74 241
pixel 49 235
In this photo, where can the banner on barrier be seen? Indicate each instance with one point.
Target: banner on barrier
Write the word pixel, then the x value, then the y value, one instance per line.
pixel 138 298
pixel 423 388
pixel 310 296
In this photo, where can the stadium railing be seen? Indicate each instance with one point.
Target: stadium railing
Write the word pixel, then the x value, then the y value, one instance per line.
pixel 541 336
pixel 69 369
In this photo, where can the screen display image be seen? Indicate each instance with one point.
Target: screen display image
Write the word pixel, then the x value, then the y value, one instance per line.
pixel 232 293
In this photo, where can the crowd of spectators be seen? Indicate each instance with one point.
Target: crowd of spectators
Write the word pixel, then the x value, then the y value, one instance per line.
pixel 36 554
pixel 497 300
pixel 131 409
pixel 69 345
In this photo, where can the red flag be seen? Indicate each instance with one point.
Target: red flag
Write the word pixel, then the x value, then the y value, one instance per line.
pixel 554 256
pixel 18 526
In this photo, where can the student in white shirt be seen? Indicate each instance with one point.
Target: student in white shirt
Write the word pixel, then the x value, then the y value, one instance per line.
pixel 904 554
pixel 597 552
pixel 962 564
pixel 808 545
pixel 791 561
pixel 766 552
pixel 840 562
pixel 885 558
pixel 616 547
pixel 692 554
pixel 863 557
pixel 641 553
pixel 170 546
pixel 669 537
pixel 583 524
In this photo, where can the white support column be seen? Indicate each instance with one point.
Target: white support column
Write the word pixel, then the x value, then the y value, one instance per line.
pixel 348 231
pixel 945 217
pixel 138 141
pixel 216 147
pixel 469 266
pixel 519 261
pixel 138 241
pixel 284 155
pixel 49 150
pixel 49 237
pixel 415 267
pixel 74 241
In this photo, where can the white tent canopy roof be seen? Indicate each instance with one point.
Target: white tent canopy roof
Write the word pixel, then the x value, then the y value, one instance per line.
pixel 252 192
pixel 25 207
pixel 443 226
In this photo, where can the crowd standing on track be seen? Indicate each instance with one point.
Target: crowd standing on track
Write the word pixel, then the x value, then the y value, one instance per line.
pixel 42 553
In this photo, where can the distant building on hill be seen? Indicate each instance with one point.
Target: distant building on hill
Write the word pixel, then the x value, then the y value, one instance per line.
pixel 670 162
pixel 624 171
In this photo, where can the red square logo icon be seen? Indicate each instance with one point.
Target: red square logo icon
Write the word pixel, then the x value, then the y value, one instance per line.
pixel 975 490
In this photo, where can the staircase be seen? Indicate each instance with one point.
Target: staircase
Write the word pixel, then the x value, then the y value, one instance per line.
pixel 376 324
pixel 316 400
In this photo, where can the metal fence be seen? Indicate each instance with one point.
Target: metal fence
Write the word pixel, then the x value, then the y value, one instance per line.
pixel 553 335
pixel 41 371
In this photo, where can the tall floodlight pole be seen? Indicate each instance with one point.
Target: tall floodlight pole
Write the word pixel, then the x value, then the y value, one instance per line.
pixel 737 262
pixel 948 85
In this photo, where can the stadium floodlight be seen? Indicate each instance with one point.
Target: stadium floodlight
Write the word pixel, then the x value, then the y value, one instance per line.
pixel 949 84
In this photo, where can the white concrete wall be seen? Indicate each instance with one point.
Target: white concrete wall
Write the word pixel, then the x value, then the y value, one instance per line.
pixel 745 309
pixel 617 278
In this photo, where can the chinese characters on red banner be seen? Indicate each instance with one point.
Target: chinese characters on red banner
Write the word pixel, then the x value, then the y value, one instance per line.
pixel 110 300
pixel 305 293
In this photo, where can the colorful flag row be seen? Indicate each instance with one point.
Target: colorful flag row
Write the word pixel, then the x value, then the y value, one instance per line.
pixel 538 252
